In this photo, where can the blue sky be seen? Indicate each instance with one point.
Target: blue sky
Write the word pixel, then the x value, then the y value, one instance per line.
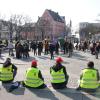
pixel 76 10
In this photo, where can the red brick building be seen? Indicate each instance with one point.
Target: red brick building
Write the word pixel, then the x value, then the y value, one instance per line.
pixel 55 24
pixel 49 25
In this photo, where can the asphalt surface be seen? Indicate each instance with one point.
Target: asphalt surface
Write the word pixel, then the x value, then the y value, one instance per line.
pixel 73 65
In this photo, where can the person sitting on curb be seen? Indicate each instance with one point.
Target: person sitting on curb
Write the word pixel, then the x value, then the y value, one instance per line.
pixel 8 71
pixel 59 75
pixel 89 79
pixel 34 77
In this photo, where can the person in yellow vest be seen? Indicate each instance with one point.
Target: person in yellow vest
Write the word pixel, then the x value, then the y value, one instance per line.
pixel 59 75
pixel 89 79
pixel 8 71
pixel 34 77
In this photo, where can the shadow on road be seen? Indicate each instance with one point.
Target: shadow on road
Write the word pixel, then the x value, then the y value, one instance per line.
pixel 45 93
pixel 96 94
pixel 73 94
pixel 1 57
pixel 80 57
pixel 43 57
pixel 6 86
pixel 18 91
pixel 26 59
pixel 75 55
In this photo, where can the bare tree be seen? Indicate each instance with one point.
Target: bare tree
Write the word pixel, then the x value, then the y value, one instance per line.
pixel 16 23
pixel 1 20
pixel 28 26
pixel 90 29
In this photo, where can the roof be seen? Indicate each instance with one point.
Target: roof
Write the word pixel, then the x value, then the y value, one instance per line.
pixel 56 16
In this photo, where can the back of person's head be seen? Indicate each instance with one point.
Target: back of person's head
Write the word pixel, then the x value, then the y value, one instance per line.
pixel 90 64
pixel 8 59
pixel 34 63
pixel 7 62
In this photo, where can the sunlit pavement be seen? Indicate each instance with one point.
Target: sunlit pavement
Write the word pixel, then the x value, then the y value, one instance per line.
pixel 74 65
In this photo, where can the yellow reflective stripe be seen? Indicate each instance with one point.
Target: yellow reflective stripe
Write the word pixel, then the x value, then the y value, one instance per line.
pixel 90 83
pixel 5 73
pixel 58 75
pixel 6 76
pixel 58 78
pixel 33 82
pixel 89 80
pixel 32 79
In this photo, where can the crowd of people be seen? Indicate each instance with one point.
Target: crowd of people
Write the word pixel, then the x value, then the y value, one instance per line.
pixel 93 47
pixel 22 48
pixel 37 47
pixel 54 48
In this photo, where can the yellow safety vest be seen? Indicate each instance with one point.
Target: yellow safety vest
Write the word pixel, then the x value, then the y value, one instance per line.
pixel 32 79
pixel 57 77
pixel 6 74
pixel 89 79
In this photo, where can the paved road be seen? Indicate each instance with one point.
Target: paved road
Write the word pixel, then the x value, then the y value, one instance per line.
pixel 73 65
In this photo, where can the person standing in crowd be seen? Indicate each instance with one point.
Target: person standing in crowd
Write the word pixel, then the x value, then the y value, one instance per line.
pixel 34 77
pixel 6 42
pixel 25 50
pixel 16 49
pixel 99 46
pixel 70 49
pixel 19 50
pixel 35 47
pixel 89 79
pixel 51 49
pixel 10 47
pixel 39 48
pixel 85 45
pixel 0 49
pixel 57 48
pixel 31 45
pixel 8 71
pixel 59 75
pixel 97 50
pixel 65 46
pixel 46 47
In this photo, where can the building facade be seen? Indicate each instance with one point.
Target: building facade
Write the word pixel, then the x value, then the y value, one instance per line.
pixel 88 30
pixel 55 24
pixel 50 25
pixel 28 31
